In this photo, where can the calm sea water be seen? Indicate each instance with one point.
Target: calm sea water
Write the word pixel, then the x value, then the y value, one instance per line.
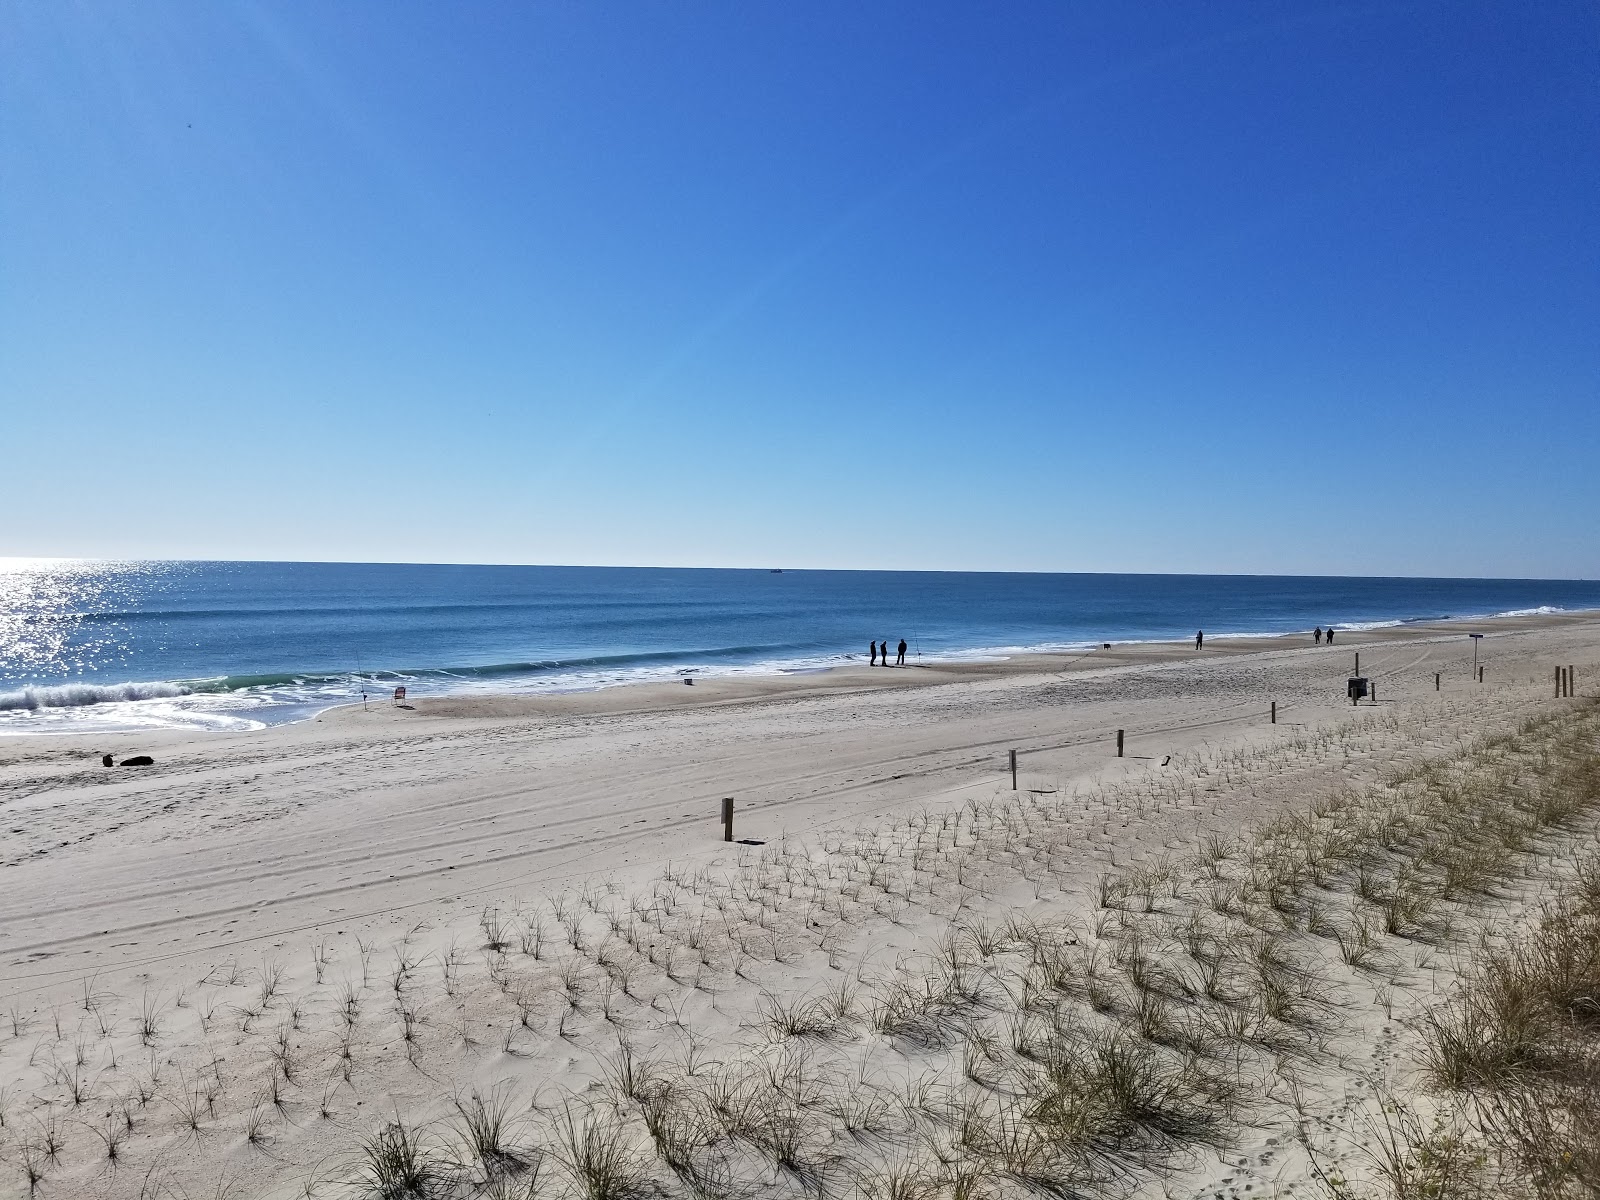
pixel 230 645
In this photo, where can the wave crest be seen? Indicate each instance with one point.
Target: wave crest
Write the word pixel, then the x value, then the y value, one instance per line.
pixel 76 695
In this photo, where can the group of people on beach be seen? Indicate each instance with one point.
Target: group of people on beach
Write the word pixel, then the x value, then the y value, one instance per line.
pixel 883 653
pixel 1199 643
pixel 1200 637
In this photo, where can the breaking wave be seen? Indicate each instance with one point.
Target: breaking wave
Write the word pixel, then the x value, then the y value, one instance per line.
pixel 77 695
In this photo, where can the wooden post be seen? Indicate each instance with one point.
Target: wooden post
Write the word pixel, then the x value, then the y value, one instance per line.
pixel 1480 674
pixel 1358 662
pixel 1436 681
pixel 727 818
pixel 1372 691
pixel 1119 743
pixel 1274 712
pixel 1013 770
pixel 1570 685
pixel 1558 683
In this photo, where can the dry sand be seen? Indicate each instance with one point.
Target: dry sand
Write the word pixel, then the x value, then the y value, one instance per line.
pixel 367 844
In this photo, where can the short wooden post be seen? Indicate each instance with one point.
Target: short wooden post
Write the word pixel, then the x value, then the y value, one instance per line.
pixel 1372 691
pixel 1558 683
pixel 1274 712
pixel 727 818
pixel 1570 685
pixel 1119 743
pixel 1013 770
pixel 1480 674
pixel 1436 681
pixel 1358 662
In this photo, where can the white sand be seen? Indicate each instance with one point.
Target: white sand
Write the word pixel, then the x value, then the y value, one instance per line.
pixel 396 827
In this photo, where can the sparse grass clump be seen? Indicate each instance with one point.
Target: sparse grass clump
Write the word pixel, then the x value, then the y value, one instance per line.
pixel 1522 1040
pixel 488 1128
pixel 398 1164
pixel 599 1154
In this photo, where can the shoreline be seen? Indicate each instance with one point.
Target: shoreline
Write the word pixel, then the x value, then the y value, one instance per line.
pixel 291 860
pixel 720 691
pixel 736 684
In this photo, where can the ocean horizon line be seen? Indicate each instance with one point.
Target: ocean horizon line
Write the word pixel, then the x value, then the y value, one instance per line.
pixel 5 560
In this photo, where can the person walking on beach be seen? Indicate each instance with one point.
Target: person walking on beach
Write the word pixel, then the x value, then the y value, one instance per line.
pixel 1317 634
pixel 1330 635
pixel 874 654
pixel 1199 638
pixel 900 658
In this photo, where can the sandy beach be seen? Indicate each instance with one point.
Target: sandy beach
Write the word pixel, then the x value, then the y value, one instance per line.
pixel 381 848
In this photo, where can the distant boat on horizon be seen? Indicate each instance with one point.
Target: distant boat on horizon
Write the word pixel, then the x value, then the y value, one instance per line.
pixel 776 571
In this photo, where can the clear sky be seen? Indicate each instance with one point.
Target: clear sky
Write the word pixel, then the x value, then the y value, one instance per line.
pixel 1261 287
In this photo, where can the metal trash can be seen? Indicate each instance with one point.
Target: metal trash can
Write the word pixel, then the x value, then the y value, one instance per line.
pixel 1356 688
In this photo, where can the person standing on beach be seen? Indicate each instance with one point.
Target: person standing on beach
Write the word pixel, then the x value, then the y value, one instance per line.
pixel 885 661
pixel 900 658
pixel 874 654
pixel 1317 635
pixel 1199 638
pixel 1330 635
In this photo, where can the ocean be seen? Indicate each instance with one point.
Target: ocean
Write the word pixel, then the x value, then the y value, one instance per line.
pixel 239 645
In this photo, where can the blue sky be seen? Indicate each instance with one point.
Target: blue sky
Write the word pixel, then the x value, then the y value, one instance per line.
pixel 1308 288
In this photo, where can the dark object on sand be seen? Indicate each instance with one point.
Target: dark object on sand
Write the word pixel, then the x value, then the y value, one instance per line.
pixel 690 682
pixel 107 761
pixel 1356 688
pixel 139 760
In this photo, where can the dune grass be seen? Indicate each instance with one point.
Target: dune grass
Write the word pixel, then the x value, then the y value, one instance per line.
pixel 1106 1036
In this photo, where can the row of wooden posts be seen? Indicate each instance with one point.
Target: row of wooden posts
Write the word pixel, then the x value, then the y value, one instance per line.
pixel 1564 685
